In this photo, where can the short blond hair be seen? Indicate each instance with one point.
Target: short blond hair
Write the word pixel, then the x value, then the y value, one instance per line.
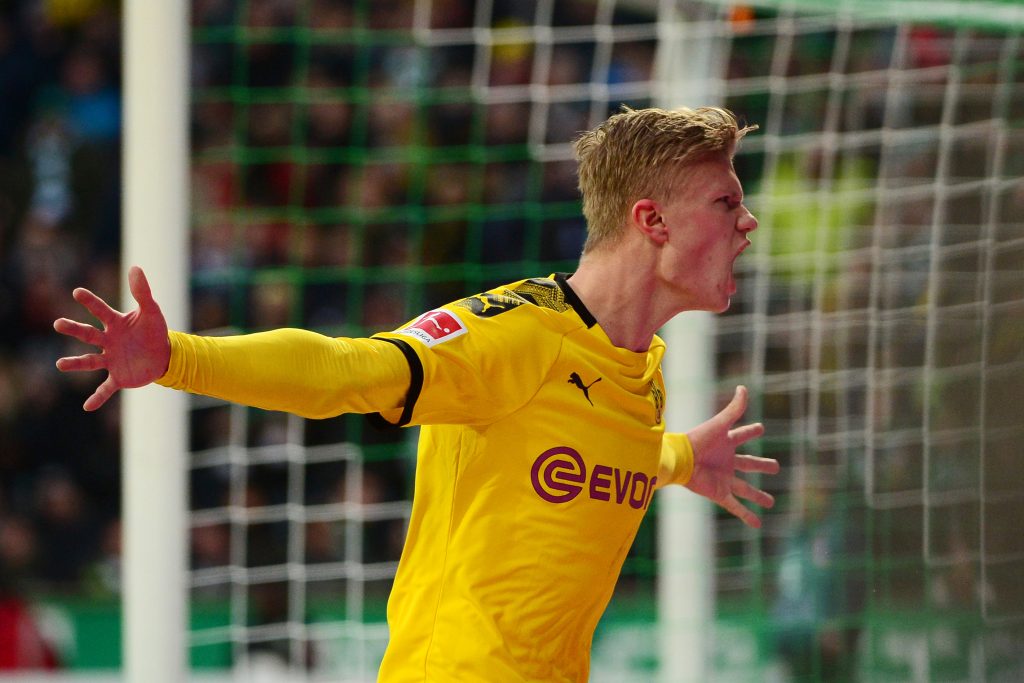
pixel 638 153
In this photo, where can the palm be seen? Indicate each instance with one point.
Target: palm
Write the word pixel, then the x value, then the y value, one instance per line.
pixel 716 461
pixel 134 347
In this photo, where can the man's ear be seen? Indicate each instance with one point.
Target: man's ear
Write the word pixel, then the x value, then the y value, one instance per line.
pixel 645 216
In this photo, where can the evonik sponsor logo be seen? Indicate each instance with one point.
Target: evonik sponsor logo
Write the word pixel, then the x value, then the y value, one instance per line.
pixel 560 474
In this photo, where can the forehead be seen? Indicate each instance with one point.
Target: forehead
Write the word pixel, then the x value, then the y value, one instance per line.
pixel 715 176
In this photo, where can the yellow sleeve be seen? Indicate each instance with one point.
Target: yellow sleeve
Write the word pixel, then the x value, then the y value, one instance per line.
pixel 676 459
pixel 471 370
pixel 291 370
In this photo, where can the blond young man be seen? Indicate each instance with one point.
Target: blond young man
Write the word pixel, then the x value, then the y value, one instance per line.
pixel 541 402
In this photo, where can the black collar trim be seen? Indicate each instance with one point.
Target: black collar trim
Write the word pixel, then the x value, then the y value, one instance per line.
pixel 561 279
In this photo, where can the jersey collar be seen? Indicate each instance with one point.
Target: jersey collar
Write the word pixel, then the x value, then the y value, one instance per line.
pixel 573 300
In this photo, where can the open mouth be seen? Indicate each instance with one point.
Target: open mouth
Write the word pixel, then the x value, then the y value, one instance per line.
pixel 746 243
pixel 731 284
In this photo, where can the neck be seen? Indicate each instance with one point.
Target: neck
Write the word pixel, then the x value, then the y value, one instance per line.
pixel 620 289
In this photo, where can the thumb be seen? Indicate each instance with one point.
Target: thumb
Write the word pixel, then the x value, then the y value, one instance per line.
pixel 736 407
pixel 139 286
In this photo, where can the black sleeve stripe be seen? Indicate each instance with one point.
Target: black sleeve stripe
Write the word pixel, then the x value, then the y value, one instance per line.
pixel 415 386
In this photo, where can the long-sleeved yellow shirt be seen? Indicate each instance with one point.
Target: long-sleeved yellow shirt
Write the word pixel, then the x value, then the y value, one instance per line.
pixel 541 448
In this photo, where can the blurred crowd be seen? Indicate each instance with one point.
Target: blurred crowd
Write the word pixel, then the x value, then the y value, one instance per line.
pixel 60 119
pixel 396 155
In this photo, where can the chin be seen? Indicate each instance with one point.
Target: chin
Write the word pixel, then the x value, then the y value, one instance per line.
pixel 723 298
pixel 714 305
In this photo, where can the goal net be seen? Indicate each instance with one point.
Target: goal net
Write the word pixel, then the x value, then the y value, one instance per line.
pixel 356 162
pixel 880 326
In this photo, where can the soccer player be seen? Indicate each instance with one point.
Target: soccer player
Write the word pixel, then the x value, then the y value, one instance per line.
pixel 542 404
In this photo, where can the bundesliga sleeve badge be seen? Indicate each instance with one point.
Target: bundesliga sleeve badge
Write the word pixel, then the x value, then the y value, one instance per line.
pixel 434 327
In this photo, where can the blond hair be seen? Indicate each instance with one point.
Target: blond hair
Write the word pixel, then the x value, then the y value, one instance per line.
pixel 638 154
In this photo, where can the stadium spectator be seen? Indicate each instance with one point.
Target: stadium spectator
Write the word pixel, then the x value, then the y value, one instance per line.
pixel 22 644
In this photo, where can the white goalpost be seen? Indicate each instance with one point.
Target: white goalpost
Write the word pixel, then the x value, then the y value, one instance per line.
pixel 689 63
pixel 154 427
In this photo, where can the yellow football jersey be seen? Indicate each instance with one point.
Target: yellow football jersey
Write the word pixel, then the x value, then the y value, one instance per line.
pixel 539 457
pixel 541 449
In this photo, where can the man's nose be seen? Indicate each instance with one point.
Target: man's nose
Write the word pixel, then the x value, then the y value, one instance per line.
pixel 747 222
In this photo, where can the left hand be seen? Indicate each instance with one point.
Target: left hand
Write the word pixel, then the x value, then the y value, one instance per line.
pixel 715 461
pixel 133 346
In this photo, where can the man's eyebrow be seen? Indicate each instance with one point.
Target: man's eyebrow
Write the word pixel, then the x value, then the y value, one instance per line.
pixel 737 190
pixel 731 190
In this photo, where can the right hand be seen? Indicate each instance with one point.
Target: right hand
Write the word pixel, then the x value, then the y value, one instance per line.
pixel 134 349
pixel 716 463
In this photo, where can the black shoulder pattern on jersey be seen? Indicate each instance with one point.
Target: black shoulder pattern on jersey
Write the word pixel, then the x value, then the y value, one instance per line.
pixel 544 293
pixel 537 291
pixel 490 304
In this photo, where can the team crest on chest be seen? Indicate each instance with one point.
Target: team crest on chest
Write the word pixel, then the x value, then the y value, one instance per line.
pixel 659 401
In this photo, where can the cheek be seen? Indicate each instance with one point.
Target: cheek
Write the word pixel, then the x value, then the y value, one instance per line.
pixel 706 245
pixel 700 249
pixel 705 254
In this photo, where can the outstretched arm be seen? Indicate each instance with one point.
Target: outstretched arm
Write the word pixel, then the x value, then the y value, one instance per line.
pixel 133 346
pixel 296 371
pixel 716 463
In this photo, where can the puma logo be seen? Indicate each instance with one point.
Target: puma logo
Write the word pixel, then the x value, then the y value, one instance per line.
pixel 577 381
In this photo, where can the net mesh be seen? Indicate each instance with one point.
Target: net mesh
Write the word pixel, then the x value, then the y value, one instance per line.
pixel 879 325
pixel 357 162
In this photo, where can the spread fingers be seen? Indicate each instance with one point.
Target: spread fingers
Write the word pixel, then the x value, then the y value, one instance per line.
pixel 747 491
pixel 744 513
pixel 101 395
pixel 752 463
pixel 90 361
pixel 97 306
pixel 80 331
